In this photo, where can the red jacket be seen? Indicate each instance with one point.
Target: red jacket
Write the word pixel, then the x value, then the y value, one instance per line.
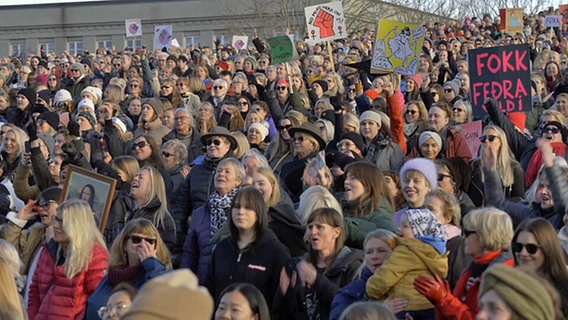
pixel 464 304
pixel 53 296
pixel 396 105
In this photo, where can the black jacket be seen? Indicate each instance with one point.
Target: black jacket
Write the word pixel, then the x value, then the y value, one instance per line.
pixel 288 228
pixel 192 141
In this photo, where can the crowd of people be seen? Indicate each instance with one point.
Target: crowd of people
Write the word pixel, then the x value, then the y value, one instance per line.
pixel 312 189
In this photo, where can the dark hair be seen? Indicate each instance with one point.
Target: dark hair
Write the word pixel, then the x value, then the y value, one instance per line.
pixel 250 198
pixel 155 159
pixel 91 200
pixel 333 218
pixel 375 187
pixel 254 298
pixel 129 289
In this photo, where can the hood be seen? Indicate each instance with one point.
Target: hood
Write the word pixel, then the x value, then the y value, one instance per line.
pixel 435 261
pixel 284 213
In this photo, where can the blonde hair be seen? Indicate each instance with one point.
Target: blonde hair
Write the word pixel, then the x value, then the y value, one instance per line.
pixel 313 198
pixel 243 145
pixel 276 195
pixel 557 115
pixel 505 159
pixel 10 306
pixel 451 205
pixel 9 253
pixel 157 191
pixel 212 122
pixel 349 119
pixel 494 227
pixel 21 138
pixel 127 164
pixel 80 226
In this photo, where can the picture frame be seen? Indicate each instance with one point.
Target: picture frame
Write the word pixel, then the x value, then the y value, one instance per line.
pixel 96 189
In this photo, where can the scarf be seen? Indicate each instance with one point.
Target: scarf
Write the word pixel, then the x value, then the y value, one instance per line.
pixel 118 274
pixel 219 208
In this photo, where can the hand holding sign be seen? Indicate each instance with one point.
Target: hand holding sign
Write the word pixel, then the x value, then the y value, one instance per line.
pixel 324 21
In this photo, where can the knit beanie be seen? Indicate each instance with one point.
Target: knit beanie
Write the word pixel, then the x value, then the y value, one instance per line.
pixel 372 93
pixel 156 104
pixel 371 115
pixel 355 138
pixel 79 66
pixel 322 83
pixel 95 92
pixel 424 223
pixel 284 82
pixel 224 65
pixel 52 118
pixel 174 295
pixel 417 79
pixel 260 128
pixel 424 136
pixel 522 292
pixel 519 119
pixel 62 95
pixel 86 103
pixel 119 123
pixel 30 94
pixel 48 140
pixel 252 60
pixel 454 84
pixel 424 166
pixel 89 116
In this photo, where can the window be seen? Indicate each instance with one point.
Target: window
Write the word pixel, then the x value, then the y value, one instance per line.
pixel 75 46
pixel 189 40
pixel 134 43
pixel 18 48
pixel 104 43
pixel 47 44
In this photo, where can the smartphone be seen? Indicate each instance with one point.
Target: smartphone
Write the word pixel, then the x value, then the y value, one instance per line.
pixel 28 147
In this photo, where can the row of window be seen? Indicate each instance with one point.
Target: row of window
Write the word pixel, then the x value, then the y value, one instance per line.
pixel 75 46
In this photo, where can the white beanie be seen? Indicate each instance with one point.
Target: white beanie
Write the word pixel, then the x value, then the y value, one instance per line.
pixel 88 103
pixel 260 128
pixel 371 115
pixel 119 123
pixel 424 166
pixel 424 136
pixel 62 95
pixel 94 91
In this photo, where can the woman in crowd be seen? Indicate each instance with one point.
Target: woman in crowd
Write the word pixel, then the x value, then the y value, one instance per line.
pixel 70 266
pixel 150 122
pixel 208 219
pixel 461 112
pixel 174 155
pixel 377 250
pixel 381 148
pixel 133 109
pixel 487 234
pixel 453 177
pixel 205 118
pixel 368 203
pixel 280 150
pixel 308 284
pixel 430 145
pixel 536 248
pixel 256 134
pixel 251 243
pixel 137 255
pixel 12 149
pixel 415 121
pixel 10 305
pixel 418 177
pixel 169 90
pixel 242 301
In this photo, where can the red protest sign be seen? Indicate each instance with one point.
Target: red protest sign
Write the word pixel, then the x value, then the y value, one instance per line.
pixel 502 73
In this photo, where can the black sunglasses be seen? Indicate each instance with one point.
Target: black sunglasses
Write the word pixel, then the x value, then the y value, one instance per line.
pixel 285 127
pixel 449 90
pixel 218 87
pixel 244 103
pixel 490 137
pixel 441 176
pixel 216 142
pixel 553 130
pixel 531 247
pixel 166 154
pixel 411 111
pixel 137 239
pixel 466 233
pixel 299 138
pixel 140 144
pixel 281 88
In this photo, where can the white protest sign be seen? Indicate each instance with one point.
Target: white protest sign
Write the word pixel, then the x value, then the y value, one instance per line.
pixel 133 27
pixel 325 22
pixel 553 21
pixel 163 36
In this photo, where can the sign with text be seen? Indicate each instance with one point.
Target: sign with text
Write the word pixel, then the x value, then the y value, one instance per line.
pixel 511 20
pixel 325 22
pixel 163 36
pixel 502 73
pixel 133 27
pixel 397 48
pixel 471 132
pixel 553 21
pixel 282 49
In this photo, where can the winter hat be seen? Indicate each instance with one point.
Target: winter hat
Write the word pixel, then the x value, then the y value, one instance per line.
pixel 94 91
pixel 522 292
pixel 371 115
pixel 424 166
pixel 322 83
pixel 50 194
pixel 52 118
pixel 519 119
pixel 156 104
pixel 372 93
pixel 78 66
pixel 174 295
pixel 417 79
pixel 252 61
pixel 560 126
pixel 62 95
pixel 424 223
pixel 86 103
pixel 26 69
pixel 45 95
pixel 42 63
pixel 48 140
pixel 284 82
pixel 260 128
pixel 119 123
pixel 30 94
pixel 87 61
pixel 224 65
pixel 454 84
pixel 328 115
pixel 89 116
pixel 355 138
pixel 424 136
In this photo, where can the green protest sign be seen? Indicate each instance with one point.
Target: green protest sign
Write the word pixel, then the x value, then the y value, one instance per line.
pixel 282 49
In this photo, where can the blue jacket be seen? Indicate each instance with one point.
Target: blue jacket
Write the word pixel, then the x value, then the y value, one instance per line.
pixel 351 293
pixel 152 268
pixel 197 248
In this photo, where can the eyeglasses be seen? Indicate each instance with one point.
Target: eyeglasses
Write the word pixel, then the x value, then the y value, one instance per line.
pixel 140 145
pixel 281 88
pixel 107 310
pixel 448 90
pixel 352 90
pixel 166 154
pixel 137 239
pixel 285 127
pixel 299 139
pixel 218 87
pixel 411 111
pixel 441 176
pixel 74 70
pixel 466 233
pixel 56 219
pixel 45 204
pixel 216 142
pixel 180 84
pixel 490 137
pixel 40 122
pixel 553 130
pixel 531 247
pixel 133 85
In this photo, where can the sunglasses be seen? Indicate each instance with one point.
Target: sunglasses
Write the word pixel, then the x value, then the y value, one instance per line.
pixel 299 139
pixel 448 90
pixel 45 204
pixel 458 110
pixel 216 142
pixel 411 111
pixel 166 87
pixel 281 88
pixel 466 233
pixel 441 176
pixel 133 85
pixel 166 154
pixel 285 127
pixel 137 239
pixel 240 104
pixel 553 130
pixel 531 247
pixel 180 84
pixel 490 137
pixel 140 145
pixel 218 87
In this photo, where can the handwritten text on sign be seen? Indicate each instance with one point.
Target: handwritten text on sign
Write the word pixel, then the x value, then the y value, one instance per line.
pixel 502 73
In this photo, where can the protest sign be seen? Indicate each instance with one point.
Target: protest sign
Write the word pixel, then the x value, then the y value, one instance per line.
pixel 133 27
pixel 163 36
pixel 511 20
pixel 282 49
pixel 471 132
pixel 502 73
pixel 553 21
pixel 325 22
pixel 240 42
pixel 397 48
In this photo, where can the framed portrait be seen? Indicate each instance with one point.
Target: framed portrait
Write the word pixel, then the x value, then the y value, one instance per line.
pixel 96 189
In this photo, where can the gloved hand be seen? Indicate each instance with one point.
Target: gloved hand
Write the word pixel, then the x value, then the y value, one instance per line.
pixel 434 289
pixel 491 103
pixel 74 129
pixel 32 130
pixel 336 103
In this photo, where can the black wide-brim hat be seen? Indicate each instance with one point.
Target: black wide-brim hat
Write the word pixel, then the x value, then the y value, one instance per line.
pixel 312 130
pixel 220 132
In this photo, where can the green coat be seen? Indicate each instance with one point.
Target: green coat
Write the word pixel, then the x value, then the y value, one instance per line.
pixel 357 228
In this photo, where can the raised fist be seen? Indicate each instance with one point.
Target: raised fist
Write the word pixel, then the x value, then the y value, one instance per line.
pixel 324 21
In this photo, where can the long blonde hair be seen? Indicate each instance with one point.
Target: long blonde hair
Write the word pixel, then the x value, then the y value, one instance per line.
pixel 80 226
pixel 157 191
pixel 10 306
pixel 505 158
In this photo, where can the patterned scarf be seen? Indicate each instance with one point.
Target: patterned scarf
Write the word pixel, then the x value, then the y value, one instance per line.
pixel 220 209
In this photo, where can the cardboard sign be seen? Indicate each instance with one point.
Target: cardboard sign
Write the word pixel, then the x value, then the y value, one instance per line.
pixel 325 22
pixel 133 27
pixel 397 48
pixel 240 42
pixel 511 20
pixel 163 36
pixel 282 49
pixel 553 21
pixel 502 73
pixel 564 12
pixel 471 131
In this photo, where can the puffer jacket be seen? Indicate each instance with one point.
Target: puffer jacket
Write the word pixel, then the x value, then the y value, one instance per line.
pixel 395 278
pixel 351 293
pixel 53 296
pixel 357 227
pixel 197 248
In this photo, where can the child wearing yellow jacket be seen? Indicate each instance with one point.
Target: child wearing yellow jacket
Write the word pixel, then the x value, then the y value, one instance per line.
pixel 421 250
